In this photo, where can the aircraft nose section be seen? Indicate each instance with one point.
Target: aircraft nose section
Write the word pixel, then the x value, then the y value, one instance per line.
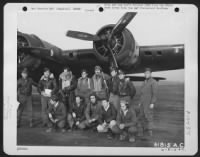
pixel 29 62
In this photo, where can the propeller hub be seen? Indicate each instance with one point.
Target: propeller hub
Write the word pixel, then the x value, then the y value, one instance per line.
pixel 115 43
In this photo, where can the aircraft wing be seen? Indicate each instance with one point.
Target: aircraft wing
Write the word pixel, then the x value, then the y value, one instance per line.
pixel 142 78
pixel 60 56
pixel 161 57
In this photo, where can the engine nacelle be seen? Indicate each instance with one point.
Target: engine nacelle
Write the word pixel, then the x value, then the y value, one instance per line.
pixel 123 44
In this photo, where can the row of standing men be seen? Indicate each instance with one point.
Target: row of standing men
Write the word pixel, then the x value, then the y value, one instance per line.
pixel 100 97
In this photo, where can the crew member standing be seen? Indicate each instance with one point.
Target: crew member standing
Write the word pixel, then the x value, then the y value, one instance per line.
pixel 67 86
pixel 100 87
pixel 84 86
pixel 47 86
pixel 92 114
pixel 148 97
pixel 126 88
pixel 77 114
pixel 113 85
pixel 24 91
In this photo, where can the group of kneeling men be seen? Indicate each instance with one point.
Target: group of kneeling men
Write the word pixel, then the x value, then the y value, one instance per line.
pixel 101 103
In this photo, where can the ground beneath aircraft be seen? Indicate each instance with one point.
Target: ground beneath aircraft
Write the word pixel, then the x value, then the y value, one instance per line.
pixel 168 126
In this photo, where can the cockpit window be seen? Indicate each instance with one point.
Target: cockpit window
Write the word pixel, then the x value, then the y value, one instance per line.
pixel 22 42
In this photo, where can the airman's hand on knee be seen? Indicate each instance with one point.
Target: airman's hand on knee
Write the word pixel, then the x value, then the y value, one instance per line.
pixel 151 106
pixel 56 120
pixel 121 126
pixel 104 124
pixel 77 123
pixel 90 121
pixel 73 115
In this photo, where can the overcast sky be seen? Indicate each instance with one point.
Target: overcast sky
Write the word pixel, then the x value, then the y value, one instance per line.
pixel 147 29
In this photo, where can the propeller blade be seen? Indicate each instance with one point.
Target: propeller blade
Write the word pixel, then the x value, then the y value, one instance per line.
pixel 123 22
pixel 82 36
pixel 112 57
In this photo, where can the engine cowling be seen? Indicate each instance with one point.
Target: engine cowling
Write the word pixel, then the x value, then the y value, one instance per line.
pixel 123 44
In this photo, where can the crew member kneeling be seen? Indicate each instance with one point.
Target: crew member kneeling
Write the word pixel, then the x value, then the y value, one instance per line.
pixel 126 122
pixel 107 118
pixel 92 114
pixel 77 114
pixel 56 114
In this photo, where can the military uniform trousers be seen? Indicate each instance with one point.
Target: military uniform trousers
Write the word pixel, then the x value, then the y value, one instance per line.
pixel 84 94
pixel 145 118
pixel 85 124
pixel 104 128
pixel 130 131
pixel 44 102
pixel 60 124
pixel 71 121
pixel 25 102
pixel 114 99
